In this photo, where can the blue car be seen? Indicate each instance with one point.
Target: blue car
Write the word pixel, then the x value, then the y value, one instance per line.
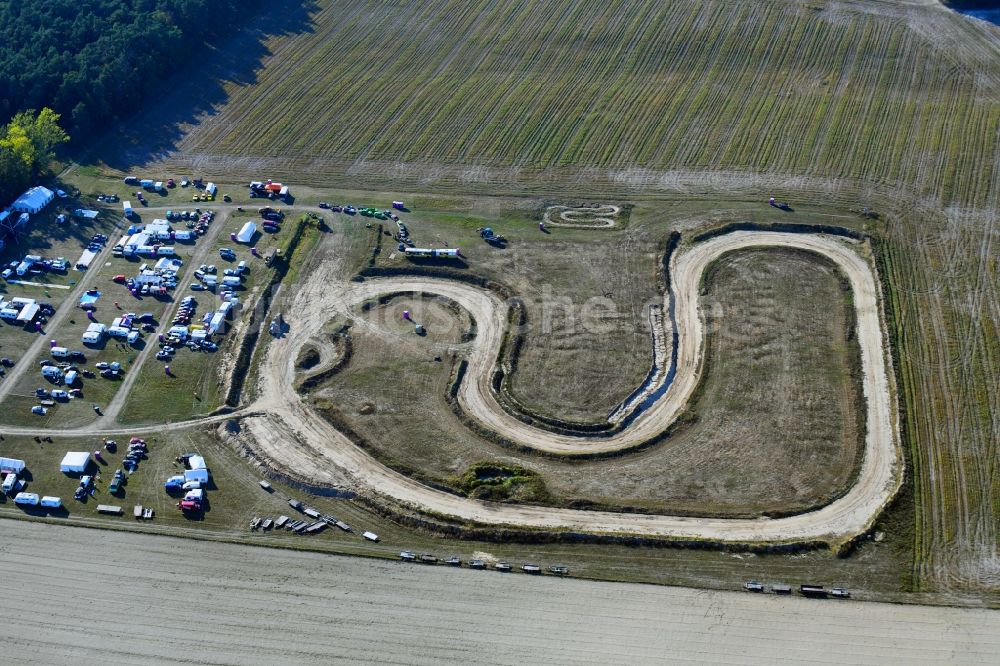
pixel 174 483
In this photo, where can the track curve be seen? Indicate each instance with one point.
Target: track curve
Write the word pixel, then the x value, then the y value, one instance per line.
pixel 851 514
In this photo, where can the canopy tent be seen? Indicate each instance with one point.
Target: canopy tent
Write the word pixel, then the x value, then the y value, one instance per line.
pixel 196 462
pixel 33 200
pixel 75 462
pixel 246 233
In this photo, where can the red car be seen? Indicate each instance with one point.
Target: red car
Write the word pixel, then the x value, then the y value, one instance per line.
pixel 188 505
pixel 120 279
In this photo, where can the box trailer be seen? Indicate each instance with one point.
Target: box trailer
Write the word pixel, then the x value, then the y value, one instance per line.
pixel 110 509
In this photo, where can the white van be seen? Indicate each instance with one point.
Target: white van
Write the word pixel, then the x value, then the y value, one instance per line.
pixel 27 499
pixel 59 352
pixel 51 502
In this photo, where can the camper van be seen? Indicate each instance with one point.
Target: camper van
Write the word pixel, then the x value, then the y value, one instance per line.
pixel 51 502
pixel 26 499
pixel 59 352
pixel 11 484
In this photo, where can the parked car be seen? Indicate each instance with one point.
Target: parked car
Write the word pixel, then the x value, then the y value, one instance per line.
pixel 7 362
pixel 131 180
pixel 39 410
pixel 116 482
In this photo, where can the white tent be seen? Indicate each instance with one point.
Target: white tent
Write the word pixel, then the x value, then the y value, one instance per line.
pixel 246 233
pixel 75 462
pixel 33 200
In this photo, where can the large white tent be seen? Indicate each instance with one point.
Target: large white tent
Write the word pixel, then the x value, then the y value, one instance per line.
pixel 75 462
pixel 33 200
pixel 246 233
pixel 8 465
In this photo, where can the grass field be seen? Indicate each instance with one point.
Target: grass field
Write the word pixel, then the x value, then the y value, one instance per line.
pixel 531 94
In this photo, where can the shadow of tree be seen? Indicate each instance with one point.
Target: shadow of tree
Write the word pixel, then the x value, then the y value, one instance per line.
pixel 196 90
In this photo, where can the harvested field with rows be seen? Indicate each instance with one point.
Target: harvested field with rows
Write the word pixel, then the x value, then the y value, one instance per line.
pixel 898 95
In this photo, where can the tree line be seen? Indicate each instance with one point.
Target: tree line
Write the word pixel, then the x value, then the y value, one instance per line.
pixel 27 146
pixel 93 60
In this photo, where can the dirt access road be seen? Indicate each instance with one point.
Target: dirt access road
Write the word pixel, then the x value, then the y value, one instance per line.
pixel 323 449
pixel 182 601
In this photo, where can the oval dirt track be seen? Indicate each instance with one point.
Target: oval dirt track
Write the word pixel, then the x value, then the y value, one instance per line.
pixel 280 415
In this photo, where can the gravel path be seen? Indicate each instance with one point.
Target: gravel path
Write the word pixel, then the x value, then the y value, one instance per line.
pixel 129 598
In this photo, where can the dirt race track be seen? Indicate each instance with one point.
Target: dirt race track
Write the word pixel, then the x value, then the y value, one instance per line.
pixel 327 449
pixel 278 418
pixel 181 601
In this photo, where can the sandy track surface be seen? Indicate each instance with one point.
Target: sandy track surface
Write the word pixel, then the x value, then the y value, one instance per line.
pixel 180 601
pixel 322 446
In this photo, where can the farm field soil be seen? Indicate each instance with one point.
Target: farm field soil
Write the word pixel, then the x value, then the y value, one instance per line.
pixel 766 435
pixel 900 94
pixel 392 611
